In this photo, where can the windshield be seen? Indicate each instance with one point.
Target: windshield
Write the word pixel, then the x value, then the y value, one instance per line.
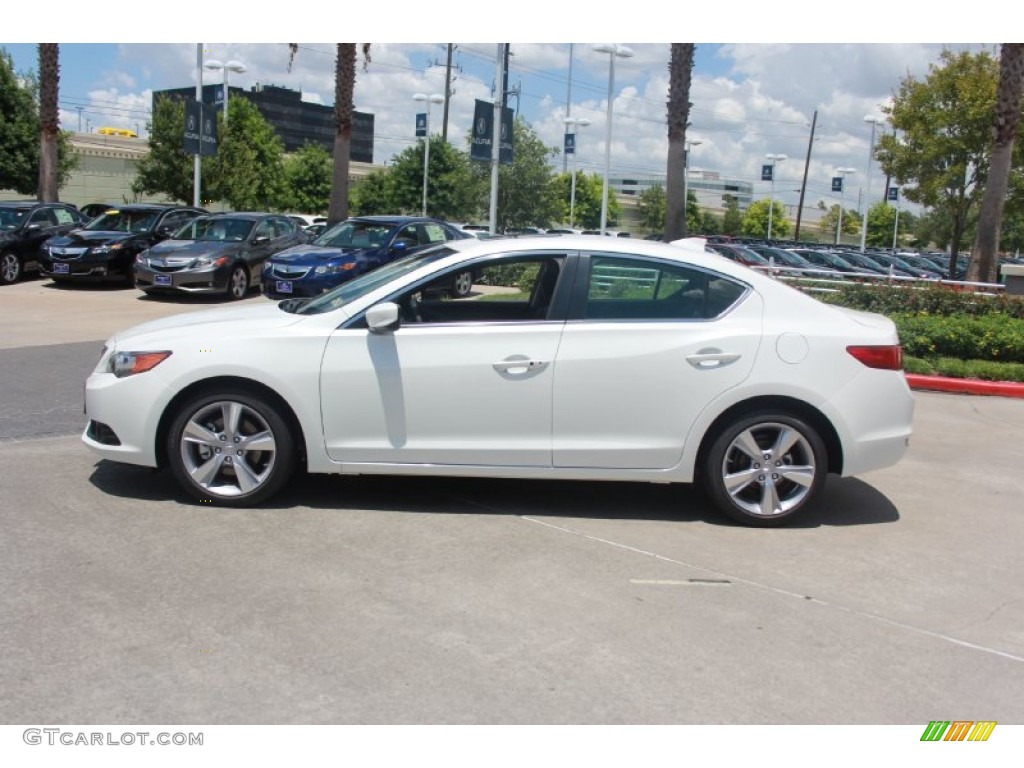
pixel 114 220
pixel 355 234
pixel 11 218
pixel 365 283
pixel 215 230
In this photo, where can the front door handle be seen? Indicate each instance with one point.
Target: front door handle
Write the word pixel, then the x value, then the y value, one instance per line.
pixel 517 365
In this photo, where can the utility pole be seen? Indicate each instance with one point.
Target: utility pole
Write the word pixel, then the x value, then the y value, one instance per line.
pixel 499 104
pixel 803 186
pixel 568 110
pixel 447 92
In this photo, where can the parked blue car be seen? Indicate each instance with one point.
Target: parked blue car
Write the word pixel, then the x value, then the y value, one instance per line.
pixel 351 248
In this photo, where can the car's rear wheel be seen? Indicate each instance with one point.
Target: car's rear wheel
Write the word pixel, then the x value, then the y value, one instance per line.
pixel 231 448
pixel 238 283
pixel 764 468
pixel 10 268
pixel 463 284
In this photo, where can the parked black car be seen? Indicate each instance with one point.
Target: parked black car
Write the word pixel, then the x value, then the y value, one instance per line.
pixel 218 253
pixel 24 227
pixel 106 247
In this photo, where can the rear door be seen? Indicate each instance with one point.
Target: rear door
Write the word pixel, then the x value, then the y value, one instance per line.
pixel 648 345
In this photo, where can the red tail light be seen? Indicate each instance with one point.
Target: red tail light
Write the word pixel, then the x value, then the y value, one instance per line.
pixel 888 357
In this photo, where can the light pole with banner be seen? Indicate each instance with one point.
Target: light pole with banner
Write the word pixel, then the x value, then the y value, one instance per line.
pixel 432 99
pixel 686 178
pixel 232 66
pixel 769 172
pixel 570 149
pixel 875 121
pixel 838 186
pixel 614 50
pixel 893 195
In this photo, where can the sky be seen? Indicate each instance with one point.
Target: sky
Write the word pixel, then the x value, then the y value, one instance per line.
pixel 758 80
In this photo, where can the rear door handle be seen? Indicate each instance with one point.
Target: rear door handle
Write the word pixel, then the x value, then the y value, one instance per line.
pixel 705 360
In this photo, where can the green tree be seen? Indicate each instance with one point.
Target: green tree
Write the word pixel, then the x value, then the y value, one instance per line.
pixel 166 170
pixel 526 197
pixel 49 121
pixel 693 217
pixel 830 220
pixel 755 222
pixel 374 195
pixel 307 176
pixel 587 211
pixel 20 134
pixel 452 188
pixel 732 218
pixel 939 153
pixel 652 205
pixel 710 224
pixel 680 70
pixel 248 170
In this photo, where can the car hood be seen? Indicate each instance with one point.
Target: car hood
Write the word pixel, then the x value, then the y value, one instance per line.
pixel 186 250
pixel 82 237
pixel 311 255
pixel 208 324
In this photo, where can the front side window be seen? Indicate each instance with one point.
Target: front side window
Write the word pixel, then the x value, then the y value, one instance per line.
pixel 354 234
pixel 64 216
pixel 43 216
pixel 215 230
pixel 640 289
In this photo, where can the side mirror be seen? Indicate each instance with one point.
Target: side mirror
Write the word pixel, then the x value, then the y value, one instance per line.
pixel 383 318
pixel 165 232
pixel 261 239
pixel 33 227
pixel 400 246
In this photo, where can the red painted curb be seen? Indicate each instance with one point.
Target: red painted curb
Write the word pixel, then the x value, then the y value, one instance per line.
pixel 965 386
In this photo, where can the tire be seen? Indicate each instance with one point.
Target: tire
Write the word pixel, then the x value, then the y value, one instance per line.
pixel 238 283
pixel 735 476
pixel 11 268
pixel 207 448
pixel 462 285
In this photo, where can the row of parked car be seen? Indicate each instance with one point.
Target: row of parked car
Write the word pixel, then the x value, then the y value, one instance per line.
pixel 180 249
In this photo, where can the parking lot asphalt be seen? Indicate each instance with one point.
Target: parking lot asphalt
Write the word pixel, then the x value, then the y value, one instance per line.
pixel 383 600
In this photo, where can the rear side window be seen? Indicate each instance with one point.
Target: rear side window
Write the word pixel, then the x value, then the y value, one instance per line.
pixel 638 289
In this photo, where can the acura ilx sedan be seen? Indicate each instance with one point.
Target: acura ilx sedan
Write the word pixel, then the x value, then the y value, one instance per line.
pixel 580 357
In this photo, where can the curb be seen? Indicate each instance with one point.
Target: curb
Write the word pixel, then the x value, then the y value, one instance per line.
pixel 965 386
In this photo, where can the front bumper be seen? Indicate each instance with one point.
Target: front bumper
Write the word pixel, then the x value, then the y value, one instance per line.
pixel 210 279
pixel 85 266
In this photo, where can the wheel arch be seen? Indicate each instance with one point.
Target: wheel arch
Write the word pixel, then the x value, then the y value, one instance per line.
pixel 798 408
pixel 237 384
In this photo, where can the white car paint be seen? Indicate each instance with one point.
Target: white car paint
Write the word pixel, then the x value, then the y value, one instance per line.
pixel 541 398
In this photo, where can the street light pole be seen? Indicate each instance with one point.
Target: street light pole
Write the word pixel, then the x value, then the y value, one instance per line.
pixel 842 198
pixel 432 99
pixel 771 200
pixel 614 50
pixel 867 194
pixel 231 66
pixel 197 162
pixel 576 123
pixel 686 176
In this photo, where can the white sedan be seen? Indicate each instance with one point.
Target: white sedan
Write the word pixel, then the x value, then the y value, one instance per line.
pixel 573 358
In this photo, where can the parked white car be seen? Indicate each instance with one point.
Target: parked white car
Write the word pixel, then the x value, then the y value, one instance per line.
pixel 610 359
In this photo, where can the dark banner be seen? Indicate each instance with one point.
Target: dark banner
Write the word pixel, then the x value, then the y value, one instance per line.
pixel 570 143
pixel 421 123
pixel 766 172
pixel 200 136
pixel 894 194
pixel 837 183
pixel 483 133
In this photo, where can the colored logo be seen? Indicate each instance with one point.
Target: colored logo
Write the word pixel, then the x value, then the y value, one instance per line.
pixel 958 730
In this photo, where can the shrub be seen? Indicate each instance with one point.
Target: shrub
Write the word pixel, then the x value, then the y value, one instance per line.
pixel 932 300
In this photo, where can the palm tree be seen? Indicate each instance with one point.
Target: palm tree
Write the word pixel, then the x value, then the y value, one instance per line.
pixel 680 73
pixel 990 217
pixel 344 91
pixel 49 120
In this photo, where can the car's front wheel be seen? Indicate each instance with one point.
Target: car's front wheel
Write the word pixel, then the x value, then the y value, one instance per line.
pixel 238 283
pixel 231 448
pixel 764 468
pixel 10 268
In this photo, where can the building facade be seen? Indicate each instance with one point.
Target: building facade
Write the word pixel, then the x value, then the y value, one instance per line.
pixel 297 122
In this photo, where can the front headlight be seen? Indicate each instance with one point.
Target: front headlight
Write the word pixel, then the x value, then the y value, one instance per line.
pixel 333 269
pixel 123 364
pixel 108 248
pixel 210 261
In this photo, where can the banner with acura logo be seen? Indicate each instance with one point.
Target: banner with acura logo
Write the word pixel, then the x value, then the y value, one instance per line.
pixel 483 133
pixel 200 137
